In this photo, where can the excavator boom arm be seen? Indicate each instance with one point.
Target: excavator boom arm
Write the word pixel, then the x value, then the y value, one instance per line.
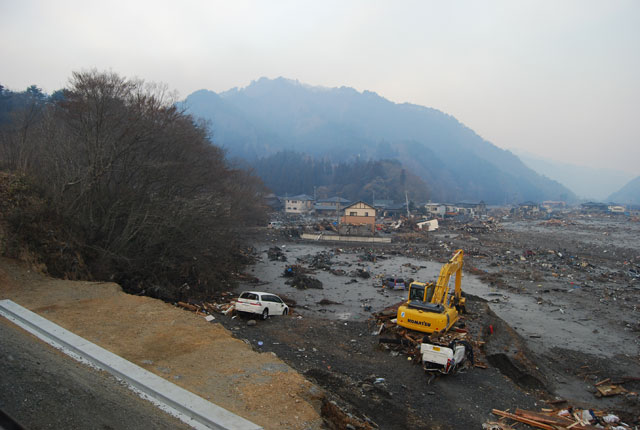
pixel 442 286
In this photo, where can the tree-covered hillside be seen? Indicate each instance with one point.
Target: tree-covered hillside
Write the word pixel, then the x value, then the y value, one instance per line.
pixel 294 173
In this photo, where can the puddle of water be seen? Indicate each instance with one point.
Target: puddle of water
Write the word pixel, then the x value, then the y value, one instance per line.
pixel 544 325
pixel 354 297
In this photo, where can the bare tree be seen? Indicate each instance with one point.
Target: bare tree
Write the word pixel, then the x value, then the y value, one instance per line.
pixel 152 201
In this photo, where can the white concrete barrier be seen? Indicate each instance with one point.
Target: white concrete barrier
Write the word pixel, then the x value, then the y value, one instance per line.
pixel 338 238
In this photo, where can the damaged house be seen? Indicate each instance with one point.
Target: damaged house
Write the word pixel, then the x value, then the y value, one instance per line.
pixel 331 206
pixel 300 204
pixel 358 217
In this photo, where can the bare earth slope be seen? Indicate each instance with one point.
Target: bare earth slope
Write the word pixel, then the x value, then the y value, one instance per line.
pixel 177 345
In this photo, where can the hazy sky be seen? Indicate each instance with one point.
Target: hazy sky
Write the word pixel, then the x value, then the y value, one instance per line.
pixel 555 78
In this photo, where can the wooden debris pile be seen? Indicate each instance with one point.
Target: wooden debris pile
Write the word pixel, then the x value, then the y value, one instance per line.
pixel 207 308
pixel 557 419
pixel 325 225
pixel 608 387
pixel 295 270
pixel 400 340
pixel 304 282
pixel 557 223
pixel 276 254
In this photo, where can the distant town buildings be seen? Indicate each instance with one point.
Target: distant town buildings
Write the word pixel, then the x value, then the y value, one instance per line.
pixel 300 204
pixel 365 214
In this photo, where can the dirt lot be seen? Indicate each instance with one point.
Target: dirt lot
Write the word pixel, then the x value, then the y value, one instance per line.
pixel 173 343
pixel 555 303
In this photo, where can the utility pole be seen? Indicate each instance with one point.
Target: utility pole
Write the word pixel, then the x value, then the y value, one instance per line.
pixel 406 198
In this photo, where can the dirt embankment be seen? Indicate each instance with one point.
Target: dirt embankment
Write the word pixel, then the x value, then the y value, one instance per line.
pixel 201 357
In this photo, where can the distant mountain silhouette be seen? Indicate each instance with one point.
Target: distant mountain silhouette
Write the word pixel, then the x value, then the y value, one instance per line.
pixel 342 124
pixel 629 194
pixel 587 182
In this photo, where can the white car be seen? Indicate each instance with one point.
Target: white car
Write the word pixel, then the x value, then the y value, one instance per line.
pixel 263 304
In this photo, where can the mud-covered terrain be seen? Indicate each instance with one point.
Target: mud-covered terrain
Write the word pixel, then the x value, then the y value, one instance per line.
pixel 561 298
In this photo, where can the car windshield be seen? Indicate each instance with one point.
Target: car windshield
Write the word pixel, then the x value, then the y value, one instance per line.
pixel 249 296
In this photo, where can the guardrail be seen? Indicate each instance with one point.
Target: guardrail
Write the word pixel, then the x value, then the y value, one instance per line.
pixel 338 238
pixel 186 406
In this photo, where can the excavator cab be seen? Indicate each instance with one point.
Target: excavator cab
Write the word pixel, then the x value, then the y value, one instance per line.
pixel 430 307
pixel 416 291
pixel 421 292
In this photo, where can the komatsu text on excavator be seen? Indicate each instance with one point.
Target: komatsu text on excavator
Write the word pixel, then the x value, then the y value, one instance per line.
pixel 432 308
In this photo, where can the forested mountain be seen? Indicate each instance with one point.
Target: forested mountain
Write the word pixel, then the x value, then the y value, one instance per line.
pixel 342 125
pixel 629 194
pixel 356 180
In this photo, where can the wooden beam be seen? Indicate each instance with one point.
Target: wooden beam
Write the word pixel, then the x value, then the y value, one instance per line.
pixel 523 420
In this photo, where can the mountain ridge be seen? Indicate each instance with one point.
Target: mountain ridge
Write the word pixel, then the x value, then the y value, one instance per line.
pixel 628 194
pixel 590 183
pixel 272 115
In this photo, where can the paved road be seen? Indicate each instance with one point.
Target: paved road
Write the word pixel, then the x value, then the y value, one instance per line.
pixel 42 388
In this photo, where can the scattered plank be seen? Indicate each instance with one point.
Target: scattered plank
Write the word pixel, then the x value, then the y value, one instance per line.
pixel 522 420
pixel 188 306
pixel 611 390
pixel 544 418
pixel 556 401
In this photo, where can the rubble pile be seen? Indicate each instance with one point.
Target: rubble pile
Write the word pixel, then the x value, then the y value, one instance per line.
pixel 361 273
pixel 325 225
pixel 304 282
pixel 369 256
pixel 413 267
pixel 276 254
pixel 554 222
pixel 554 419
pixel 225 305
pixel 399 340
pixel 295 270
pixel 474 227
pixel 319 261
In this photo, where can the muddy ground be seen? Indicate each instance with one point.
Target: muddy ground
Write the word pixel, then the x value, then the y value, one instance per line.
pixel 561 298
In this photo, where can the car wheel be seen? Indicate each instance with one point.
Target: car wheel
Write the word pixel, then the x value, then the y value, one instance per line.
pixel 285 311
pixel 265 313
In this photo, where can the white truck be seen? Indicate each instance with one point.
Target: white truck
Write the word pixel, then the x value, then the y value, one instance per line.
pixel 445 359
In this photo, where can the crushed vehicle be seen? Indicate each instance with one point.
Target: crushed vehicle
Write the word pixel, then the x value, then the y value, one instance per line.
pixel 432 307
pixel 445 359
pixel 394 283
pixel 261 303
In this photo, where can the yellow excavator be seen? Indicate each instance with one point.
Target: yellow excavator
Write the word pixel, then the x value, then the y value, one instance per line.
pixel 430 307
